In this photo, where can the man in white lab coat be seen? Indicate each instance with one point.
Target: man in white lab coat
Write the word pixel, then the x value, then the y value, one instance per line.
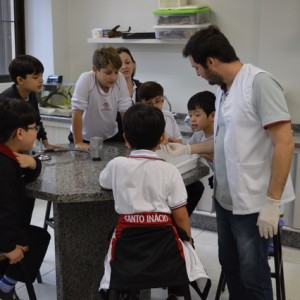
pixel 253 147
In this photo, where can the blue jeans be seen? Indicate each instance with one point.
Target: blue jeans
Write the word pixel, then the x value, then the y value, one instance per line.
pixel 243 255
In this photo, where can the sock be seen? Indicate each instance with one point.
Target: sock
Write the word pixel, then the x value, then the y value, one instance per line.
pixel 7 284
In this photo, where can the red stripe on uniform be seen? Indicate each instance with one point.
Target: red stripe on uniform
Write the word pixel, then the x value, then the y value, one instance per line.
pixel 275 123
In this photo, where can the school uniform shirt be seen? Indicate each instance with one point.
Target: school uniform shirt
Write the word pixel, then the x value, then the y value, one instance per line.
pixel 12 92
pixel 99 108
pixel 145 250
pixel 12 201
pixel 198 137
pixel 143 183
pixel 171 129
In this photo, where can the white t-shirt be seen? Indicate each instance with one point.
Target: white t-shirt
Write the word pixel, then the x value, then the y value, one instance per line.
pixel 171 129
pixel 199 137
pixel 143 183
pixel 99 108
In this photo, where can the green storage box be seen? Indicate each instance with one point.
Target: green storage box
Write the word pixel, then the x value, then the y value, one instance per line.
pixel 182 16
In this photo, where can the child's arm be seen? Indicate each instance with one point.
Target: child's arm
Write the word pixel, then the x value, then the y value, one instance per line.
pixel 182 220
pixel 17 254
pixel 50 146
pixel 77 129
pixel 171 139
pixel 25 161
pixel 31 166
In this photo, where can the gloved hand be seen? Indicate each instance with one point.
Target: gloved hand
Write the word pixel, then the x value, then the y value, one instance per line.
pixel 176 149
pixel 268 218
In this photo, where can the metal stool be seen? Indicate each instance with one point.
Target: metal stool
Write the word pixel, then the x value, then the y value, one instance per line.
pixel 27 280
pixel 278 274
pixel 48 221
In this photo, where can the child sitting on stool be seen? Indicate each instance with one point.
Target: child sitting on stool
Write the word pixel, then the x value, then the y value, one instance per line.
pixel 145 249
pixel 18 132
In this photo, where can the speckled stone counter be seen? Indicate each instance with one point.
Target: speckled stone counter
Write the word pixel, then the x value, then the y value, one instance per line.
pixel 84 214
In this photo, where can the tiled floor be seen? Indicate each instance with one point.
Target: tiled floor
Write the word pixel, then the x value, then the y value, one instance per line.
pixel 206 245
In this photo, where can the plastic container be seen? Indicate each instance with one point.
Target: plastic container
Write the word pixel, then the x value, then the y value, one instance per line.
pixel 182 16
pixel 175 32
pixel 171 3
pixel 183 163
pixel 96 33
pixel 96 148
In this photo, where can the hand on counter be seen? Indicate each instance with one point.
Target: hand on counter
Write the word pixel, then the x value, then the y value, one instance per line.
pixel 82 146
pixel 50 146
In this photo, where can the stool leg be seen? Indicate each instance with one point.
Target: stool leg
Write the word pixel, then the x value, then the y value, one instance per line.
pixel 279 274
pixel 39 277
pixel 27 279
pixel 221 286
pixel 47 214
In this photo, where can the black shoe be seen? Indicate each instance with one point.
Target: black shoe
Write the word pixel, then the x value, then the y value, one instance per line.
pixel 129 295
pixel 12 295
pixel 172 297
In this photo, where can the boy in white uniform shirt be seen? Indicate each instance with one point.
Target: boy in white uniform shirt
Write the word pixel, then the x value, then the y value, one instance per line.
pixel 145 249
pixel 99 95
pixel 152 93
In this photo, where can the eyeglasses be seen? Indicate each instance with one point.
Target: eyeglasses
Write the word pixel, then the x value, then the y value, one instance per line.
pixel 155 101
pixel 36 128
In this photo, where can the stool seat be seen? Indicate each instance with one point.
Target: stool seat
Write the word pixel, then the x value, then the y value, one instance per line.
pixel 276 252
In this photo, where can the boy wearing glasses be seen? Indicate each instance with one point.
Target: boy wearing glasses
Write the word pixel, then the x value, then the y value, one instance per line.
pixel 152 93
pixel 18 239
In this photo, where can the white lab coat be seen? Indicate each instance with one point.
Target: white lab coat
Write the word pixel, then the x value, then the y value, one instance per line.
pixel 249 161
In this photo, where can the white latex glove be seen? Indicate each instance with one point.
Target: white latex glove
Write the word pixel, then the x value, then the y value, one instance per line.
pixel 268 218
pixel 176 149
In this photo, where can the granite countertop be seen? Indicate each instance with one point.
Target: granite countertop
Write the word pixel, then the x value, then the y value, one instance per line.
pixel 73 176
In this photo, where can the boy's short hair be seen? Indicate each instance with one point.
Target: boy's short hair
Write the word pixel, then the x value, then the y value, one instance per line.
pixel 149 90
pixel 24 65
pixel 14 114
pixel 107 55
pixel 204 100
pixel 143 126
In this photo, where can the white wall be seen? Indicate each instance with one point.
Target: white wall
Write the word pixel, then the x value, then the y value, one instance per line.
pixel 263 32
pixel 39 36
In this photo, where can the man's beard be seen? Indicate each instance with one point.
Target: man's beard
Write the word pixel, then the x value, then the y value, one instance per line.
pixel 213 78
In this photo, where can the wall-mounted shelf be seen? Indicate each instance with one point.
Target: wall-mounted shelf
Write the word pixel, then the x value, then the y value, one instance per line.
pixel 134 41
